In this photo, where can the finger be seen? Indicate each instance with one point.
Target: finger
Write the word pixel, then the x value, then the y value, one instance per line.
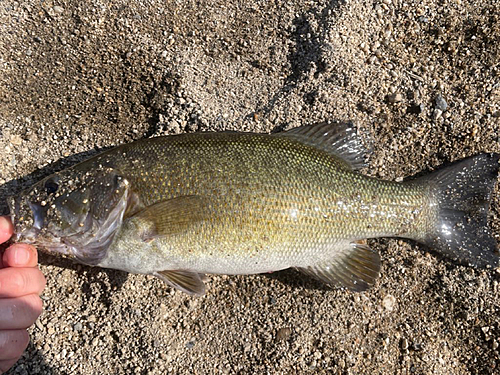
pixel 7 364
pixel 6 229
pixel 12 343
pixel 17 282
pixel 20 312
pixel 20 255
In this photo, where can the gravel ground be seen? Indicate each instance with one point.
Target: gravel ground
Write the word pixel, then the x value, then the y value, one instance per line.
pixel 421 79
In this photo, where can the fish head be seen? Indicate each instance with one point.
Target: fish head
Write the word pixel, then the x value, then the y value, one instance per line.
pixel 75 212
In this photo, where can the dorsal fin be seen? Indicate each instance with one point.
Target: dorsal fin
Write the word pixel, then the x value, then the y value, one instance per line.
pixel 339 139
pixel 356 268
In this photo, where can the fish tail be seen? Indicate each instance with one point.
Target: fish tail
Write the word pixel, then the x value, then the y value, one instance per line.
pixel 462 192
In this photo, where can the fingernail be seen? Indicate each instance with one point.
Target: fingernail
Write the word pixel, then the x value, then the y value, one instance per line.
pixel 21 256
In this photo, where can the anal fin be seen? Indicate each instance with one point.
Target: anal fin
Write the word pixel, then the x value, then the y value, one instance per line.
pixel 356 268
pixel 186 281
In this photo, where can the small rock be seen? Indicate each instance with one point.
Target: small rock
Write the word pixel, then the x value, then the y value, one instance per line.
pixel 395 98
pixel 39 325
pixel 404 344
pixel 78 327
pixel 16 140
pixel 283 334
pixel 441 103
pixel 417 346
pixel 57 9
pixel 388 302
pixel 437 113
pixel 190 344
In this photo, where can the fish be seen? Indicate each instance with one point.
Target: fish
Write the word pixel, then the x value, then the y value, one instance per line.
pixel 182 206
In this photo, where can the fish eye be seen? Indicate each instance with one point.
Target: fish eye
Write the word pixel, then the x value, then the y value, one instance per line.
pixel 51 186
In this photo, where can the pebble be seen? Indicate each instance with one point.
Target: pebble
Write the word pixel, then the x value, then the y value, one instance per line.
pixel 57 9
pixel 190 344
pixel 441 104
pixel 77 327
pixel 395 98
pixel 404 344
pixel 283 334
pixel 39 325
pixel 437 113
pixel 388 302
pixel 16 140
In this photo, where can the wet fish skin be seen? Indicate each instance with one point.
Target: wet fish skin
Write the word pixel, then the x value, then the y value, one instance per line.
pixel 243 203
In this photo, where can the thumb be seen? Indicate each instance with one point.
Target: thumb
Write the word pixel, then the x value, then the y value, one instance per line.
pixel 6 229
pixel 20 255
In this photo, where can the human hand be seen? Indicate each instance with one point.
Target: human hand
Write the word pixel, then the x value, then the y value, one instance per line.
pixel 21 282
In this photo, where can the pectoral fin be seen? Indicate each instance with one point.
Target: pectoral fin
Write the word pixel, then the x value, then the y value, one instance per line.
pixel 186 281
pixel 172 216
pixel 356 268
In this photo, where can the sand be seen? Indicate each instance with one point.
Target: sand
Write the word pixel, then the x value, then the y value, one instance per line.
pixel 421 81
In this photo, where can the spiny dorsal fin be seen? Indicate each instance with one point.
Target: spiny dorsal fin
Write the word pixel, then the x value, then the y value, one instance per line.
pixel 186 281
pixel 356 268
pixel 172 216
pixel 339 139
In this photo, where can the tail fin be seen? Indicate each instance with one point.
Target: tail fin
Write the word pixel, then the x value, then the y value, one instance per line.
pixel 463 193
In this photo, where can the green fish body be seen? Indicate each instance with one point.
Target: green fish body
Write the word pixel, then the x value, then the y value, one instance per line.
pixel 243 203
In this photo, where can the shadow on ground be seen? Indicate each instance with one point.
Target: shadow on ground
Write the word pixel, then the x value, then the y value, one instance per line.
pixel 33 355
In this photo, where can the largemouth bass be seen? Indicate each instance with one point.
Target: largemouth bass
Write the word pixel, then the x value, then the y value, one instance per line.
pixel 179 207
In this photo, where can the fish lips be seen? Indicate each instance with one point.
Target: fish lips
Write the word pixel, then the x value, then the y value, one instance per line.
pixel 27 221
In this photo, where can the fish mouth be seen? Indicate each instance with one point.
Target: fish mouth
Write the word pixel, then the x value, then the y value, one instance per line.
pixel 13 205
pixel 14 210
pixel 26 227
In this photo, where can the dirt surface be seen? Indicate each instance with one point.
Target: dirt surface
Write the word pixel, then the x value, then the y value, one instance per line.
pixel 421 79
